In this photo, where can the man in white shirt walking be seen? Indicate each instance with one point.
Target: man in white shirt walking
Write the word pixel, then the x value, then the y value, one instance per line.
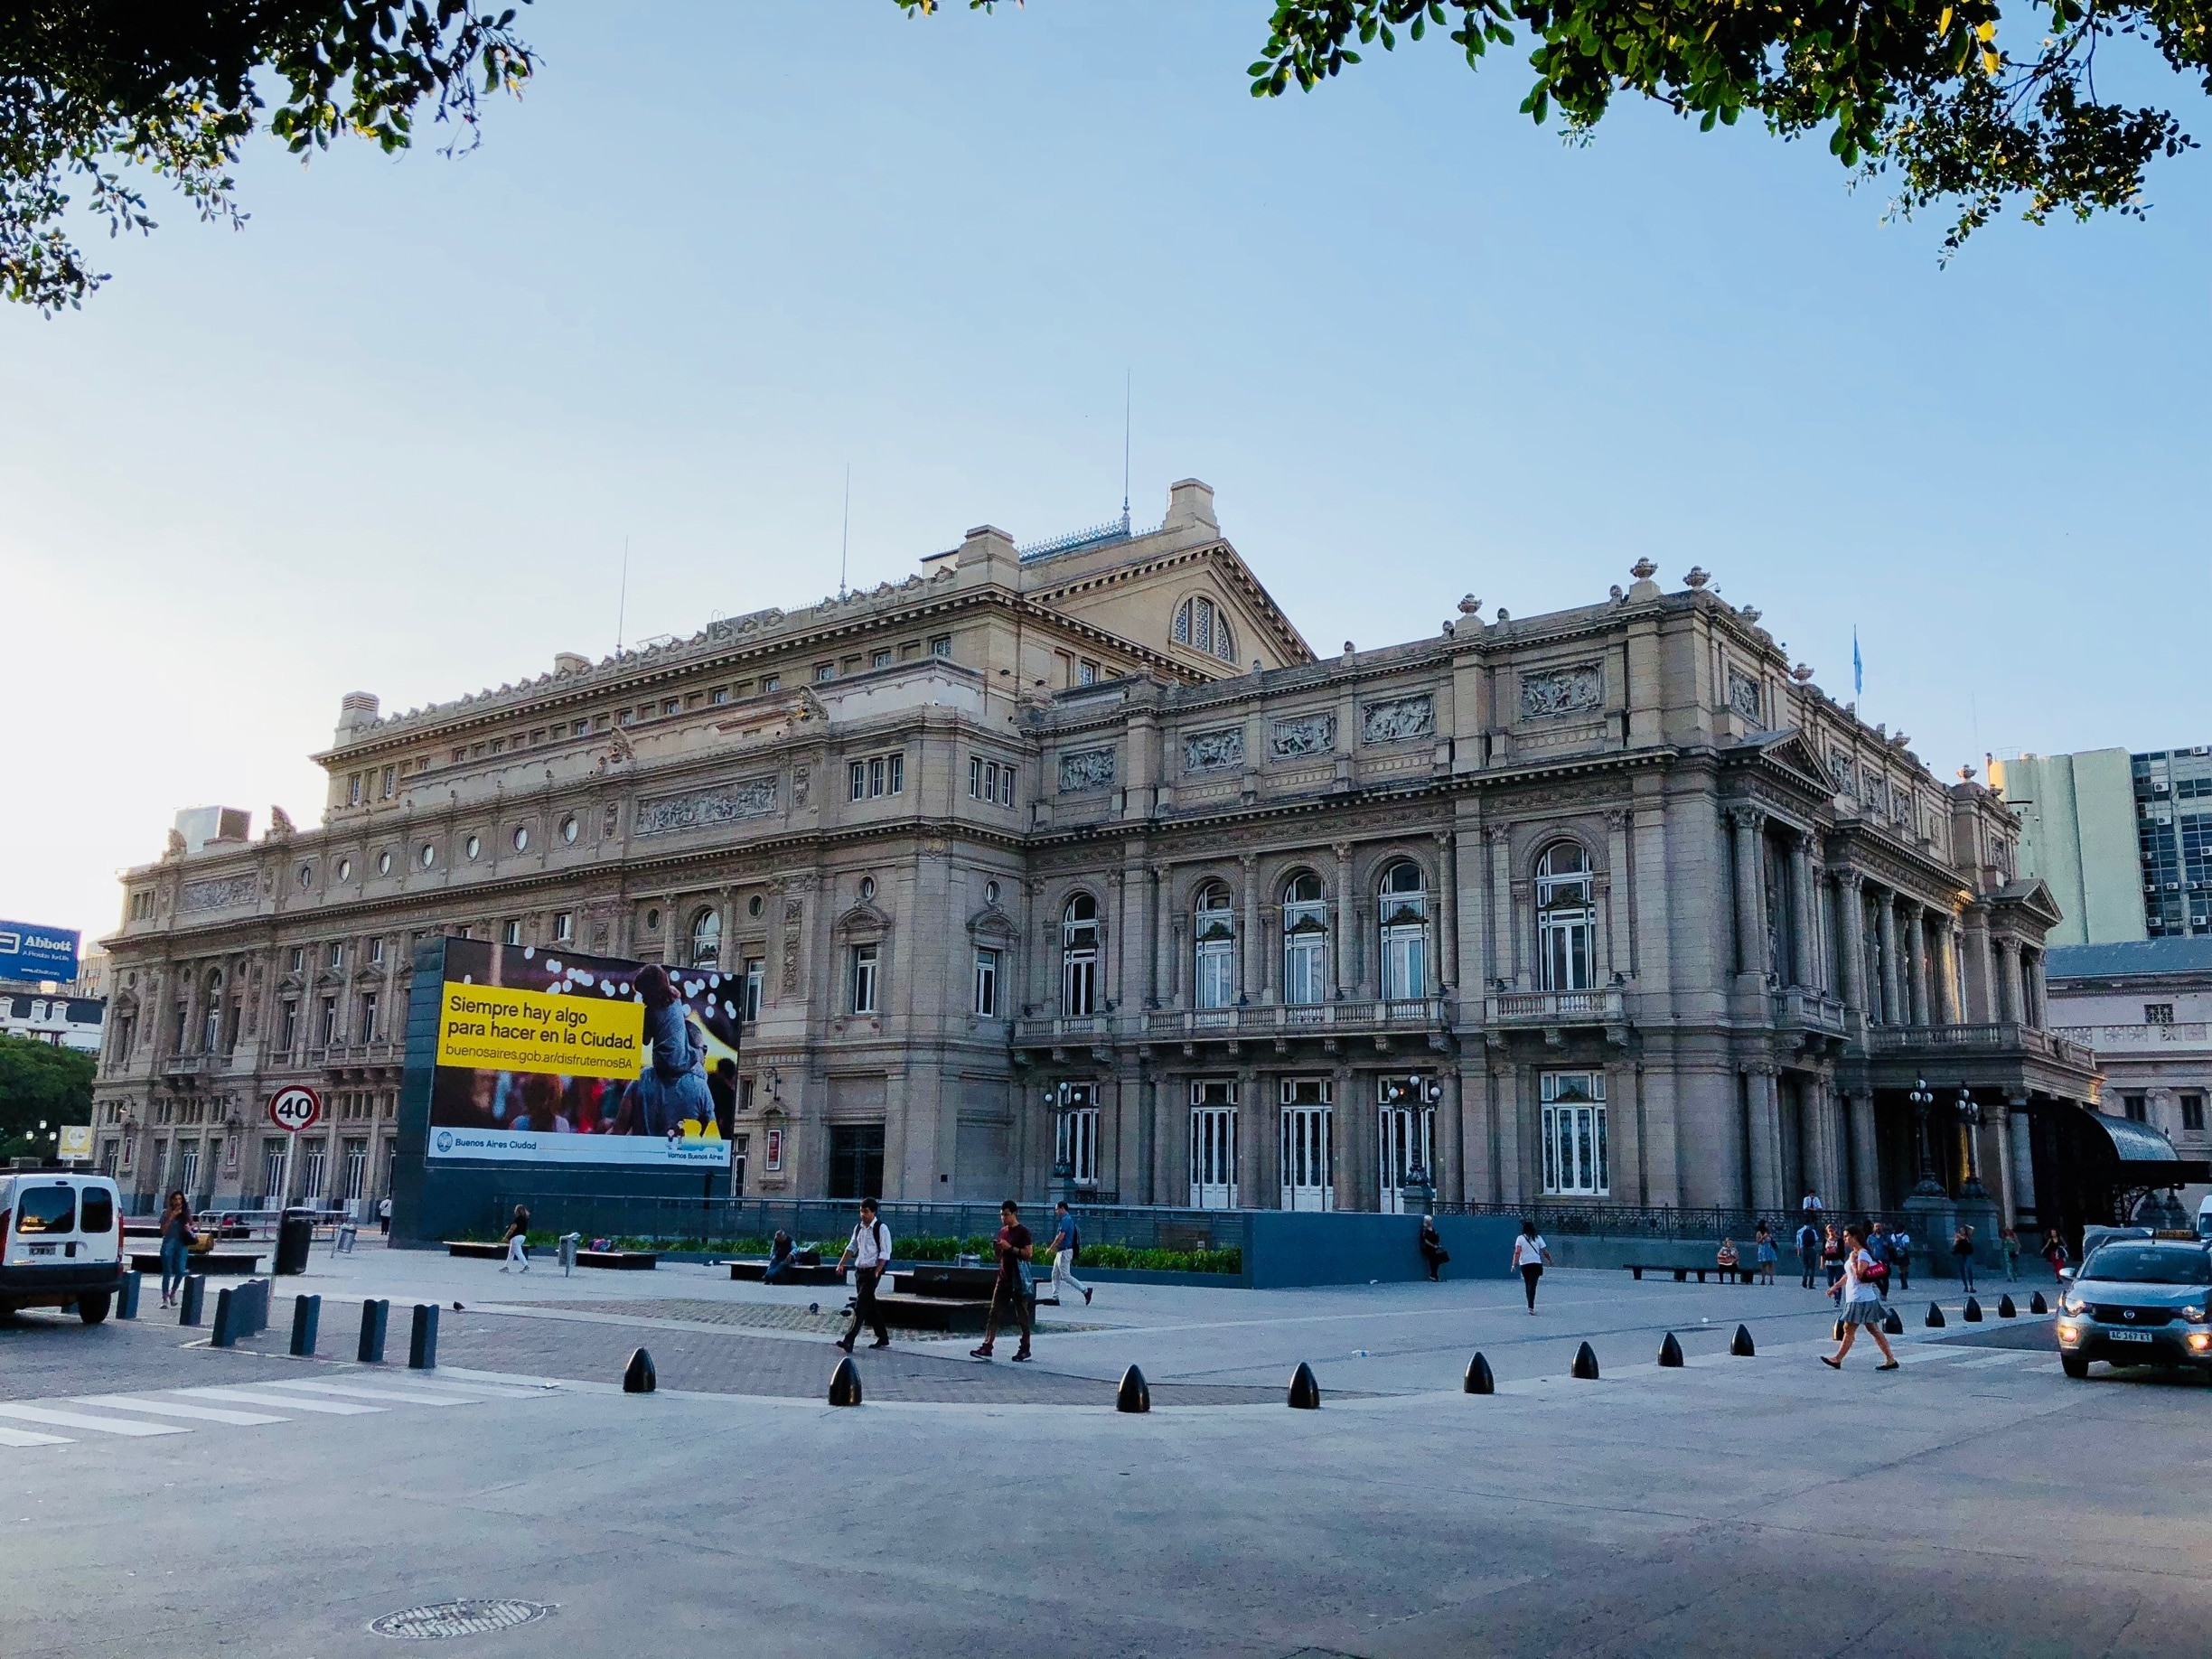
pixel 867 1253
pixel 1067 1238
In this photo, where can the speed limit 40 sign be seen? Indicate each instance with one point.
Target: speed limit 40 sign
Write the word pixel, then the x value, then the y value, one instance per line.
pixel 294 1108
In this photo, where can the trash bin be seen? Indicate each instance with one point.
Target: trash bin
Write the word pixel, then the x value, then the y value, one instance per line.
pixel 568 1242
pixel 294 1236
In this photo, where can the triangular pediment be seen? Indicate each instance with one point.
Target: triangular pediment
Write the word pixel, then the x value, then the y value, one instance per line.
pixel 2034 896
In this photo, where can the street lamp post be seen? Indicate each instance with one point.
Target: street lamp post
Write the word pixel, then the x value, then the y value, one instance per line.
pixel 1922 1101
pixel 1970 1120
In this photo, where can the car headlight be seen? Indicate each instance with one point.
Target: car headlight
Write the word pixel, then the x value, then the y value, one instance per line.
pixel 2194 1316
pixel 2070 1303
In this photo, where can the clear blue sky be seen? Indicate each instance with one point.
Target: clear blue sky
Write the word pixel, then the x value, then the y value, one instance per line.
pixel 392 435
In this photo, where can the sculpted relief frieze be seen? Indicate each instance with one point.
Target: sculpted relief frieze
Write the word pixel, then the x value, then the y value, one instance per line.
pixel 1562 691
pixel 718 803
pixel 1743 692
pixel 218 891
pixel 1295 736
pixel 1086 769
pixel 1214 751
pixel 1398 718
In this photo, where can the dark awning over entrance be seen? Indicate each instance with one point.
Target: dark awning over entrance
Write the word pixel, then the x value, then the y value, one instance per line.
pixel 2145 1157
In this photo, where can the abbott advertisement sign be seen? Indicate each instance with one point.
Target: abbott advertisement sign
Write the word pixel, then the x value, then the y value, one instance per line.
pixel 549 1057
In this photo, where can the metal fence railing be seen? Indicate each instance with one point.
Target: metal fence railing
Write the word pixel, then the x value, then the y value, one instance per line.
pixel 670 1221
pixel 1695 1224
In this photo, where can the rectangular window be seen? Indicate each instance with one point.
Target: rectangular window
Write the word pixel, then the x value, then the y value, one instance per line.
pixel 2137 1107
pixel 287 1026
pixel 856 1158
pixel 2192 1113
pixel 1006 784
pixel 824 671
pixel 771 682
pixel 975 778
pixel 499 745
pixel 511 933
pixel 273 1170
pixel 1573 1133
pixel 354 790
pixel 387 790
pixel 673 705
pixel 330 1021
pixel 861 980
pixel 755 975
pixel 564 926
pixel 311 1172
pixel 375 950
pixel 127 1031
pixel 368 1017
pixel 2158 1013
pixel 987 983
pixel 1087 673
pixel 624 718
pixel 942 646
pixel 1076 1138
pixel 881 658
pixel 336 958
pixel 719 696
pixel 859 780
pixel 299 959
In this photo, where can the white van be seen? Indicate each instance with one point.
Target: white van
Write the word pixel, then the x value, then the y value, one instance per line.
pixel 60 1241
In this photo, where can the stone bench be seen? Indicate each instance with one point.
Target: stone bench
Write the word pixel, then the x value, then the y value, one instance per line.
pixel 632 1260
pixel 1739 1274
pixel 800 1273
pixel 933 1313
pixel 215 1263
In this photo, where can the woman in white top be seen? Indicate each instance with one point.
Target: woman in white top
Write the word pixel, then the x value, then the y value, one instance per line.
pixel 1860 1301
pixel 1528 1257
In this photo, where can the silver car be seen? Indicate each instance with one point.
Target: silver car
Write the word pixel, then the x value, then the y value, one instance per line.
pixel 2138 1302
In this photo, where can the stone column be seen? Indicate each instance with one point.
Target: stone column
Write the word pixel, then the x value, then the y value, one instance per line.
pixel 1885 918
pixel 2035 1002
pixel 1982 1006
pixel 1801 912
pixel 1750 931
pixel 1620 937
pixel 1765 1150
pixel 1447 918
pixel 1499 842
pixel 1954 998
pixel 1253 976
pixel 1916 962
pixel 2008 986
pixel 1163 936
pixel 1850 908
pixel 1866 1165
pixel 1349 1129
pixel 2019 1188
pixel 1344 922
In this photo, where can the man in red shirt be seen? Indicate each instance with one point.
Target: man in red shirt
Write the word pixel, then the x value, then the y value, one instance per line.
pixel 1013 1247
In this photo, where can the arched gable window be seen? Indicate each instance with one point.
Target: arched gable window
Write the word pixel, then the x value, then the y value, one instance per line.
pixel 1079 957
pixel 1403 911
pixel 1203 625
pixel 1214 935
pixel 1566 918
pixel 707 937
pixel 1306 936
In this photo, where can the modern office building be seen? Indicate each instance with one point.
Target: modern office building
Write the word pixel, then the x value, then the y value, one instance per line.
pixel 1078 857
pixel 2124 841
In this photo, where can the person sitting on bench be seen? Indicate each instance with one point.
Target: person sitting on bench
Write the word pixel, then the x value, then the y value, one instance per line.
pixel 1726 1260
pixel 781 1252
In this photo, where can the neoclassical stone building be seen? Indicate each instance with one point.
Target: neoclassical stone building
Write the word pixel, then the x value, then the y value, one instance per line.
pixel 1078 857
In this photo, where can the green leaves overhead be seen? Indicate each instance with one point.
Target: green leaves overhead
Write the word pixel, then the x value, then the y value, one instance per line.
pixel 92 89
pixel 1925 91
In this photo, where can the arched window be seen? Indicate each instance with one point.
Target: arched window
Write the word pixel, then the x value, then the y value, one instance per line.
pixel 1404 912
pixel 1215 932
pixel 1305 921
pixel 1203 625
pixel 1566 918
pixel 707 937
pixel 1079 957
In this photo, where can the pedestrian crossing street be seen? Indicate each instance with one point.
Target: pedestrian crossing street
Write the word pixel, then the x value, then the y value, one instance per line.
pixel 149 1413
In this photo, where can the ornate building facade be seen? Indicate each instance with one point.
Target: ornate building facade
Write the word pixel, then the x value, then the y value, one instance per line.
pixel 1076 862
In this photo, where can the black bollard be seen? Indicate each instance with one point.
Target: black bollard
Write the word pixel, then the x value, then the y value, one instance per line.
pixel 1742 1344
pixel 188 1304
pixel 1586 1363
pixel 845 1384
pixel 307 1325
pixel 422 1341
pixel 1934 1319
pixel 638 1375
pixel 230 1314
pixel 1478 1378
pixel 2036 1304
pixel 2005 1309
pixel 1670 1353
pixel 375 1316
pixel 1132 1395
pixel 1305 1391
pixel 1973 1311
pixel 1891 1326
pixel 127 1296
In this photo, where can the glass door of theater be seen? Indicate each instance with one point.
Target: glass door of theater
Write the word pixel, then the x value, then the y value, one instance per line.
pixel 1214 1146
pixel 1309 1169
pixel 1407 1133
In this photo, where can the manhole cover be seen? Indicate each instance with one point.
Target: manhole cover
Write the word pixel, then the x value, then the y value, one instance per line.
pixel 458 1618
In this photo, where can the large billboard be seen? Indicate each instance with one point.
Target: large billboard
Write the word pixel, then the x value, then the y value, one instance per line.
pixel 544 1057
pixel 29 951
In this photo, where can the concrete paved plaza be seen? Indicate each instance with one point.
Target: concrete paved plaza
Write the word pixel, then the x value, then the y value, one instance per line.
pixel 1975 1502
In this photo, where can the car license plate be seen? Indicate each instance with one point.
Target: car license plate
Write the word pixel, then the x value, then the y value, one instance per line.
pixel 42 1249
pixel 2130 1335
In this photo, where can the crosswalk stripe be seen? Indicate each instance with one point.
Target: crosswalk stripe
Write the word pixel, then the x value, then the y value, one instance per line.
pixel 24 1437
pixel 83 1420
pixel 170 1408
pixel 405 1395
pixel 287 1402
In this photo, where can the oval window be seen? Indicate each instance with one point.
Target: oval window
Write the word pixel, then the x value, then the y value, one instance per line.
pixel 652 920
pixel 306 875
pixel 521 838
pixel 384 863
pixel 753 906
pixel 472 847
pixel 429 855
pixel 868 886
pixel 345 869
pixel 569 828
pixel 990 892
